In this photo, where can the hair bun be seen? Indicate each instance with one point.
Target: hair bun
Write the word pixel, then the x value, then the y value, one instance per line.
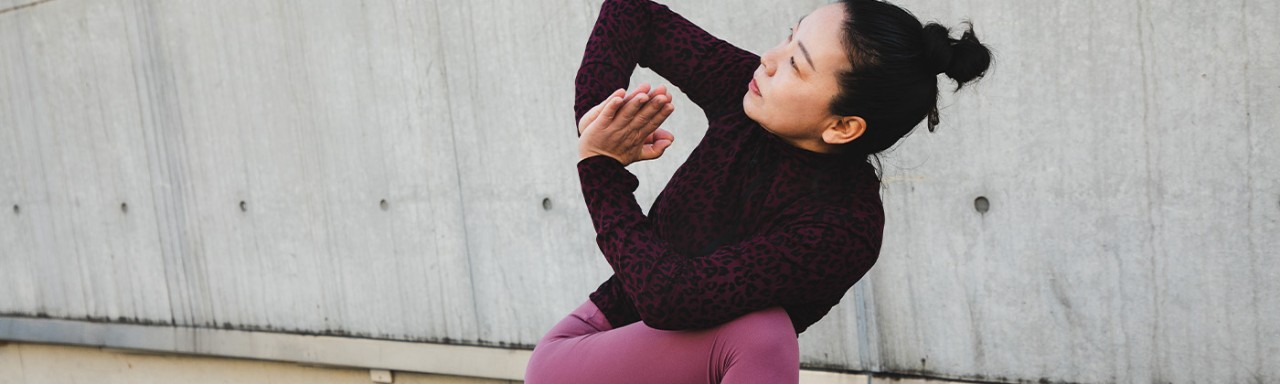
pixel 963 60
pixel 937 48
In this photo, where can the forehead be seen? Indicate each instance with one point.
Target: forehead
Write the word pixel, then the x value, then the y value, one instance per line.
pixel 820 32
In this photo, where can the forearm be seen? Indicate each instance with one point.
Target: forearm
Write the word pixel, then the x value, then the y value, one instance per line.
pixel 610 55
pixel 711 72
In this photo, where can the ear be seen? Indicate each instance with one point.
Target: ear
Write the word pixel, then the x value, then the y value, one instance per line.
pixel 844 130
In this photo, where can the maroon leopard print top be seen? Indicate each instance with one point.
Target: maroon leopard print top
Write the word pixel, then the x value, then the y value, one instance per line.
pixel 747 222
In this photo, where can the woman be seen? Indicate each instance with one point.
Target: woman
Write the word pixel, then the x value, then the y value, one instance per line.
pixel 775 214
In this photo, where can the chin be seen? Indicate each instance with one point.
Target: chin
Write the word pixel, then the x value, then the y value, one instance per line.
pixel 748 109
pixel 758 122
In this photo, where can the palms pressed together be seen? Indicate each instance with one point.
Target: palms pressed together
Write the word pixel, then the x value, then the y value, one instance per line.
pixel 625 126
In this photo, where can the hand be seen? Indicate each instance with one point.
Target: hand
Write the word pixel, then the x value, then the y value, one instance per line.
pixel 625 127
pixel 591 115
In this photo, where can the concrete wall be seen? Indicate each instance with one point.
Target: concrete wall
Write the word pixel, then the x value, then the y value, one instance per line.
pixel 403 170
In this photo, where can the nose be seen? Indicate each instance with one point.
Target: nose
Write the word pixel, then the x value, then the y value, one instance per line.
pixel 768 62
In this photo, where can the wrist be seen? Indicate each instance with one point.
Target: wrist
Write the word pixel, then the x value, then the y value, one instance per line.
pixel 583 155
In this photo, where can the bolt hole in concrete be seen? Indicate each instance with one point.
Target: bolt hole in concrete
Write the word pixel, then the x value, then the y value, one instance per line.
pixel 546 203
pixel 16 209
pixel 981 204
pixel 383 203
pixel 124 207
pixel 244 207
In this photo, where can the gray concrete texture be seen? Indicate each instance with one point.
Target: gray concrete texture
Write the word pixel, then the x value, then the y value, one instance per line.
pixel 225 164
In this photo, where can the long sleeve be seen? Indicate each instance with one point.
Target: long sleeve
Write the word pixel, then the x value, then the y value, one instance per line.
pixel 711 72
pixel 615 303
pixel 815 254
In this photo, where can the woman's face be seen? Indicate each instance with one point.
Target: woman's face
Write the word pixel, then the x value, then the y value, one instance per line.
pixel 797 81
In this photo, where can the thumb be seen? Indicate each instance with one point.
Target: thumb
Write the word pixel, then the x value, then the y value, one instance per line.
pixel 657 148
pixel 589 117
pixel 662 134
pixel 661 146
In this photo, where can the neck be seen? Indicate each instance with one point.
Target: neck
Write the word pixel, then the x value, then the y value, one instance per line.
pixel 812 145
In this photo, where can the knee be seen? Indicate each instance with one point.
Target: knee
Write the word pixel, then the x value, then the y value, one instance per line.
pixel 766 330
pixel 540 367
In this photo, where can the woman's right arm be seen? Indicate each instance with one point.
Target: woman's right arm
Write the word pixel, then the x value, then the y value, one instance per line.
pixel 711 72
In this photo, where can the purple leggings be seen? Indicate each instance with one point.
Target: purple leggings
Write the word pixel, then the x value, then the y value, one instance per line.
pixel 759 347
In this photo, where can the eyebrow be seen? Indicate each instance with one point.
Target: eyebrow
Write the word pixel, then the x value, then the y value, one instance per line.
pixel 802 49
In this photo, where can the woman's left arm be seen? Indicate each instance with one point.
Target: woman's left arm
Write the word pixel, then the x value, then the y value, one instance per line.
pixel 816 252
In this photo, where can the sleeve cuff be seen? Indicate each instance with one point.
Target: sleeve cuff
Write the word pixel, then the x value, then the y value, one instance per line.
pixel 601 173
pixel 614 303
pixel 608 189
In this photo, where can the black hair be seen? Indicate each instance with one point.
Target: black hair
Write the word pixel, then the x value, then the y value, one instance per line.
pixel 893 81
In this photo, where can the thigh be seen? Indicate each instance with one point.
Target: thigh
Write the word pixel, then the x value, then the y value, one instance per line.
pixel 574 351
pixel 759 347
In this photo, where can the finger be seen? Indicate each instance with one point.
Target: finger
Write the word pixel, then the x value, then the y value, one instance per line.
pixel 659 90
pixel 595 111
pixel 591 115
pixel 650 110
pixel 609 112
pixel 658 119
pixel 629 111
pixel 642 88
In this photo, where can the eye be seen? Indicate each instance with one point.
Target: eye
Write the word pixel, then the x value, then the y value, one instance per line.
pixel 793 63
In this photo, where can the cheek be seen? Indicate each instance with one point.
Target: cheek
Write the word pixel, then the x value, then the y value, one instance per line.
pixel 788 101
pixel 797 102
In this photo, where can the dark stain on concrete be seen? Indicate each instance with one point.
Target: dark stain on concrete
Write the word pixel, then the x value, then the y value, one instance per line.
pixel 21 6
pixel 910 374
pixel 274 329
